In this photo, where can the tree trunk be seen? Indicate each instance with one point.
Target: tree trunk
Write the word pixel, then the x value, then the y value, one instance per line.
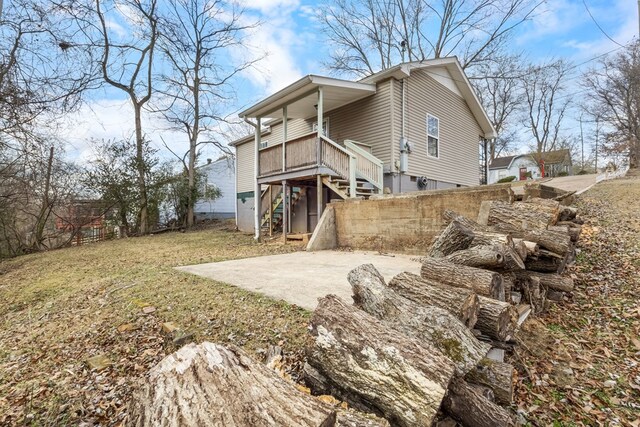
pixel 467 405
pixel 552 207
pixel 482 282
pixel 454 238
pixel 462 303
pixel 141 169
pixel 45 208
pixel 208 384
pixel 497 319
pixel 498 376
pixel 402 377
pixel 533 293
pixel 478 256
pixel 567 213
pixel 516 216
pixel 430 324
pixel 550 281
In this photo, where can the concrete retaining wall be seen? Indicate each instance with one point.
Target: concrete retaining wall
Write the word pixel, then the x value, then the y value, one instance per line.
pixel 408 222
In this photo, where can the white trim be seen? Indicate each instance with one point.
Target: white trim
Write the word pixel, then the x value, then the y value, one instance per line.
pixel 314 127
pixel 437 137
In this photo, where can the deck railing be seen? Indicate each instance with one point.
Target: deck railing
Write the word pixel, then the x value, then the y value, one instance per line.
pixel 349 162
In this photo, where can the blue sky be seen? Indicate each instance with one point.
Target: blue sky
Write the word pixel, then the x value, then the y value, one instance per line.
pixel 294 45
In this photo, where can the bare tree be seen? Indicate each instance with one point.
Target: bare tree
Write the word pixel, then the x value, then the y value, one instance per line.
pixel 545 105
pixel 372 35
pixel 497 84
pixel 613 92
pixel 202 41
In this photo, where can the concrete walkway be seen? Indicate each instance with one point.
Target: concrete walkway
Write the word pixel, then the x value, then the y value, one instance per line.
pixel 575 183
pixel 302 277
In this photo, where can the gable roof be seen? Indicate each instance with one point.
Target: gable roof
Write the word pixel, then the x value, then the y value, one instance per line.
pixel 501 162
pixel 338 92
pixel 552 157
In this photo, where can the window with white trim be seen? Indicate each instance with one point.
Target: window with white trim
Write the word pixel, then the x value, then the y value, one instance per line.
pixel 433 136
pixel 325 127
pixel 264 143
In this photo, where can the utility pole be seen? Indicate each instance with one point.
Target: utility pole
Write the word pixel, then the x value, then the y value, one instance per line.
pixel 582 140
pixel 597 135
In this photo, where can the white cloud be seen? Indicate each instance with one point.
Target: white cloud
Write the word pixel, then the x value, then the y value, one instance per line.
pixel 553 18
pixel 270 7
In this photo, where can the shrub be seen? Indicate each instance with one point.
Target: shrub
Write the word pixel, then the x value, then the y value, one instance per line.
pixel 563 173
pixel 583 172
pixel 507 179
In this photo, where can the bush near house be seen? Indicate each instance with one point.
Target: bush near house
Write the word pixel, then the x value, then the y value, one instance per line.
pixel 506 179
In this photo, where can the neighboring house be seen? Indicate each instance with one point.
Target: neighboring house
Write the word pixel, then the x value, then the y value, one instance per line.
pixel 411 127
pixel 527 166
pixel 220 174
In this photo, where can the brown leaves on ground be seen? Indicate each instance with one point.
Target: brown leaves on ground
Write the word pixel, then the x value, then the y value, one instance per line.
pixel 61 308
pixel 580 363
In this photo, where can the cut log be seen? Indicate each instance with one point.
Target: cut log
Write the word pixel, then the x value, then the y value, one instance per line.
pixel 478 256
pixel 482 282
pixel 467 405
pixel 454 238
pixel 208 384
pixel 427 323
pixel 550 281
pixel 496 319
pixel 516 216
pixel 509 282
pixel 401 377
pixel 449 216
pixel 524 310
pixel 498 376
pixel 520 248
pixel 532 249
pixel 552 207
pixel 512 260
pixel 546 262
pixel 567 213
pixel 462 303
pixel 488 238
pixel 559 243
pixel 533 293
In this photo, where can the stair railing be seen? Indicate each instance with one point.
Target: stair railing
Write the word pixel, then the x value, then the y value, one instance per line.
pixel 367 165
pixel 339 160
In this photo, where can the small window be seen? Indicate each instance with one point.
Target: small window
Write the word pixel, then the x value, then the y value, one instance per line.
pixel 433 135
pixel 264 143
pixel 325 127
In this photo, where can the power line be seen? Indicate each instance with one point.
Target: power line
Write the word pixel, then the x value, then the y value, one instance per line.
pixel 598 25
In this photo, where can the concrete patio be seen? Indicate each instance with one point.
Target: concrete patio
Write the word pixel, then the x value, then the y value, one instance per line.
pixel 302 277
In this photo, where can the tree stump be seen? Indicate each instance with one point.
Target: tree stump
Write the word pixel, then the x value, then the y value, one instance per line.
pixel 428 323
pixel 401 377
pixel 482 282
pixel 208 384
pixel 454 238
pixel 462 303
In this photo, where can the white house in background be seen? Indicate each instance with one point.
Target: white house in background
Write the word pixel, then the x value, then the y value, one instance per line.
pixel 520 166
pixel 221 174
pixel 527 166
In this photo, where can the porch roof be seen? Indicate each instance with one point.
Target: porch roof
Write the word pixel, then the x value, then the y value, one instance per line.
pixel 301 99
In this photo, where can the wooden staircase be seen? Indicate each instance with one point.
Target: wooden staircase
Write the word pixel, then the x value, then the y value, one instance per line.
pixel 277 209
pixel 342 188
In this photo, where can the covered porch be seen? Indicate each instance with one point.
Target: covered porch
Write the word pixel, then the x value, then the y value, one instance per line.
pixel 285 171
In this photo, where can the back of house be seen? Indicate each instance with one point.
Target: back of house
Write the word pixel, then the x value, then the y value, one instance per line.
pixel 412 127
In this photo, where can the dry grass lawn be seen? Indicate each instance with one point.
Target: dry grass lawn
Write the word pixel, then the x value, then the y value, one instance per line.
pixel 59 308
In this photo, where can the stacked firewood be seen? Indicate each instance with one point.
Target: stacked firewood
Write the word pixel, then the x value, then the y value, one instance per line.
pixel 429 348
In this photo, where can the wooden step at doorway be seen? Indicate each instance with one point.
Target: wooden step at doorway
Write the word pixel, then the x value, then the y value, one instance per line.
pixel 303 237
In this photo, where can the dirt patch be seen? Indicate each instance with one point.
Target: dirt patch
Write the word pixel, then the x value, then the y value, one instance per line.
pixel 580 363
pixel 62 308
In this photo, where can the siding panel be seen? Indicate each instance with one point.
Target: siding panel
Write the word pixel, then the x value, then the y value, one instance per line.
pixel 458 160
pixel 244 172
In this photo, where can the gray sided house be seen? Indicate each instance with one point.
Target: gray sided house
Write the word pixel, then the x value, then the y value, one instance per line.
pixel 220 174
pixel 412 127
pixel 527 166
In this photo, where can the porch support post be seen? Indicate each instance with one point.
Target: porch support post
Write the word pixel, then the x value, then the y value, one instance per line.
pixel 320 110
pixel 319 198
pixel 285 128
pixel 285 211
pixel 257 189
pixel 270 210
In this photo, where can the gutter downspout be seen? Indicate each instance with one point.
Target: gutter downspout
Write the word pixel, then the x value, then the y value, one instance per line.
pixel 404 155
pixel 256 171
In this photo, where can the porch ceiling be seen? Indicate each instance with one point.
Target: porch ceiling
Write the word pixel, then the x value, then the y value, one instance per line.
pixel 301 98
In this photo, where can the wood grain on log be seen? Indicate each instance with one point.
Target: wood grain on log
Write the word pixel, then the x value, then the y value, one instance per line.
pixel 402 377
pixel 467 405
pixel 534 293
pixel 482 282
pixel 549 280
pixel 462 303
pixel 516 216
pixel 553 241
pixel 496 319
pixel 550 206
pixel 498 376
pixel 428 323
pixel 208 384
pixel 567 213
pixel 453 238
pixel 478 256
